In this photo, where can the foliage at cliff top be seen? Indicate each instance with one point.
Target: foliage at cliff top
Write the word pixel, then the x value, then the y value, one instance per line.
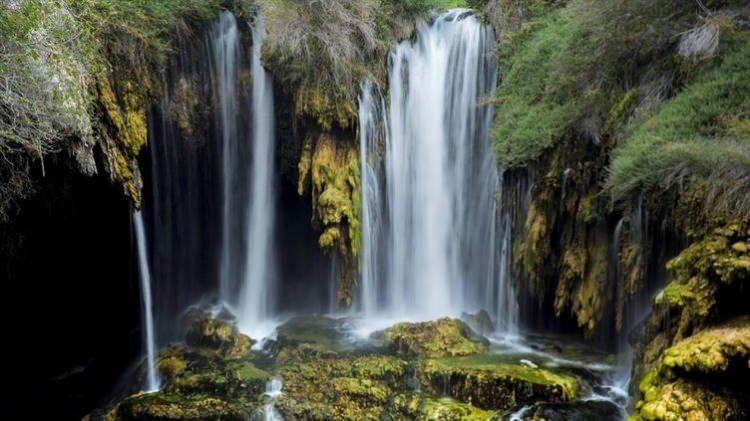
pixel 568 68
pixel 699 141
pixel 319 50
pixel 53 53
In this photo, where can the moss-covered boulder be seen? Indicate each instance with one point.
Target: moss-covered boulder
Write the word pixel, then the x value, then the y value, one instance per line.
pixel 712 350
pixel 303 338
pixel 438 338
pixel 188 371
pixel 171 406
pixel 480 322
pixel 418 406
pixel 214 335
pixel 340 388
pixel 492 382
pixel 684 400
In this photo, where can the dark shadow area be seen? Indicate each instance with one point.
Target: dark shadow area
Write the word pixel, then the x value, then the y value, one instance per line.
pixel 70 297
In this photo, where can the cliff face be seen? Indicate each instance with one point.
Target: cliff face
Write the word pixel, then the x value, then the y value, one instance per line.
pixel 614 165
pixel 621 128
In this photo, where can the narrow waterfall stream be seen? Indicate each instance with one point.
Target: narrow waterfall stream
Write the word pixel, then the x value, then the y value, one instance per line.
pixel 152 380
pixel 256 293
pixel 247 263
pixel 226 66
pixel 433 240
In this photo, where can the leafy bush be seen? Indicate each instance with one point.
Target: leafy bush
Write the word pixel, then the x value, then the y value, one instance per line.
pixel 46 57
pixel 319 50
pixel 52 51
pixel 701 135
pixel 565 71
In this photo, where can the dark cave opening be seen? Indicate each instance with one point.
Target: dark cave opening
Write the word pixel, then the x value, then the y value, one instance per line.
pixel 71 300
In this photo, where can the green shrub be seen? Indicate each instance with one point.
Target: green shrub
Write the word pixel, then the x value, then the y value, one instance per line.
pixel 702 134
pixel 566 68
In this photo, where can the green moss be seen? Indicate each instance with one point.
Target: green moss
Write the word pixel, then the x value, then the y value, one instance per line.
pixel 686 400
pixel 426 408
pixel 441 337
pixel 245 371
pixel 712 350
pixel 694 135
pixel 489 382
pixel 171 406
pixel 498 365
pixel 170 365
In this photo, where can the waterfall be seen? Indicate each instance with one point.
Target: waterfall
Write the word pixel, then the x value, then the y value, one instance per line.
pixel 226 50
pixel 372 126
pixel 152 381
pixel 432 243
pixel 273 391
pixel 257 289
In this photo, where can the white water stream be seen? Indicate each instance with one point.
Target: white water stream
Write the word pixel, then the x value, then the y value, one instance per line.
pixel 152 380
pixel 256 294
pixel 432 242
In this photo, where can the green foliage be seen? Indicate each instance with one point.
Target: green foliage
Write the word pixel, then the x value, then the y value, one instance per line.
pixel 51 54
pixel 701 134
pixel 319 50
pixel 564 69
pixel 141 32
pixel 46 57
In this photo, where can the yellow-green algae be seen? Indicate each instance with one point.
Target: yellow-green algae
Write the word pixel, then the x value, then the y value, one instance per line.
pixel 683 400
pixel 490 382
pixel 329 170
pixel 326 377
pixel 712 350
pixel 442 337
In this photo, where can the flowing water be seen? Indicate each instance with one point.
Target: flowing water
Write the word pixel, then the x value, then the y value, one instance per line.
pixel 432 239
pixel 273 391
pixel 211 219
pixel 152 380
pixel 226 48
pixel 256 294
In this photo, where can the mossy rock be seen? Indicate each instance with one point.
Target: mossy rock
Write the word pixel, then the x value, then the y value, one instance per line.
pixel 171 406
pixel 188 371
pixel 220 336
pixel 438 338
pixel 340 388
pixel 417 406
pixel 311 337
pixel 712 350
pixel 480 322
pixel 491 382
pixel 684 400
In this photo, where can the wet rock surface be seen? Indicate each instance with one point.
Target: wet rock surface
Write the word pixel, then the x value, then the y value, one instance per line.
pixel 440 370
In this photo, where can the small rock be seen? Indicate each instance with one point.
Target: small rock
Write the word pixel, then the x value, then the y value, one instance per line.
pixel 479 321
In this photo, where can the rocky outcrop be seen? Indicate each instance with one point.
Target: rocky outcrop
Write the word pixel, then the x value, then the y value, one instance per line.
pixel 490 382
pixel 439 338
pixel 327 374
pixel 694 350
pixel 328 172
pixel 220 337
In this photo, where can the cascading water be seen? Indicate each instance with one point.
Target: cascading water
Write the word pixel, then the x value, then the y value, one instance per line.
pixel 430 208
pixel 256 299
pixel 152 381
pixel 211 181
pixel 372 129
pixel 226 50
pixel 273 391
